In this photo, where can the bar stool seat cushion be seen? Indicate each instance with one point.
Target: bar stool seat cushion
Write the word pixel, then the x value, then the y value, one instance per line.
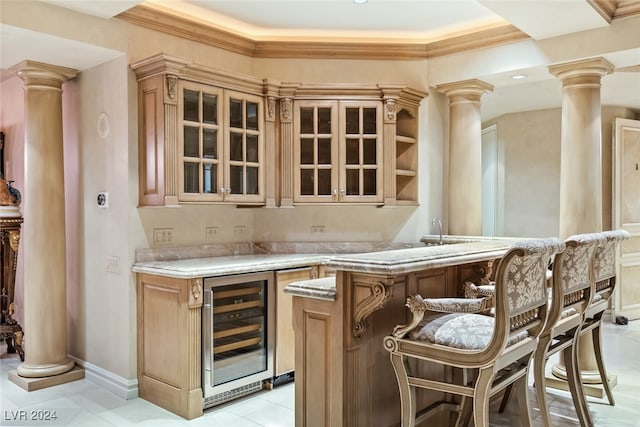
pixel 467 331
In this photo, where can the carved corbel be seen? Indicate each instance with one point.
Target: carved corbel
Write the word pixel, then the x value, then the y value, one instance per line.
pixel 379 293
pixel 172 86
pixel 271 108
pixel 285 110
pixel 390 109
pixel 195 294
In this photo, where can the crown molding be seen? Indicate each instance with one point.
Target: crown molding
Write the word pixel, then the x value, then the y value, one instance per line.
pixel 627 8
pixel 167 23
pixel 606 8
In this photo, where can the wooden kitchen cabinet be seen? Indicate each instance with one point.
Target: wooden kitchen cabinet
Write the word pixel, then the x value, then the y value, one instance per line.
pixel 203 135
pixel 169 343
pixel 350 144
pixel 212 136
pixel 338 152
pixel 285 337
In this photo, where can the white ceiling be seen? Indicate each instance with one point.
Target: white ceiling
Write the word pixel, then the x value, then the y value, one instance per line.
pixel 399 20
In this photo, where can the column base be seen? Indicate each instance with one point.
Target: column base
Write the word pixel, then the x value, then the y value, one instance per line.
pixel 31 384
pixel 590 388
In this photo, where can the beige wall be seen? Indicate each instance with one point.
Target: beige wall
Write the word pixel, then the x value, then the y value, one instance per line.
pixel 531 144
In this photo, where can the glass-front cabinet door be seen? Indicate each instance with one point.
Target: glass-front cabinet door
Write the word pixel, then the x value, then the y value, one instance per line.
pixel 360 151
pixel 244 175
pixel 316 151
pixel 200 143
pixel 338 152
pixel 219 145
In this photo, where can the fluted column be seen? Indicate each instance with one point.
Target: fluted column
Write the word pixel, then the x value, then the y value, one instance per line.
pixel 45 299
pixel 465 156
pixel 581 145
pixel 581 171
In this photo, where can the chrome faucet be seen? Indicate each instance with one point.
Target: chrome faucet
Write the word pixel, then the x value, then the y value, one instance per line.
pixel 437 221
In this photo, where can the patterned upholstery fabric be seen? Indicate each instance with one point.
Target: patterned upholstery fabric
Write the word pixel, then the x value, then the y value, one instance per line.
pixel 604 263
pixel 456 305
pixel 459 330
pixel 524 289
pixel 575 265
pixel 471 290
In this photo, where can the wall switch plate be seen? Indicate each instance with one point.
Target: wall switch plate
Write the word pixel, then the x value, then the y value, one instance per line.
pixel 317 228
pixel 162 236
pixel 211 232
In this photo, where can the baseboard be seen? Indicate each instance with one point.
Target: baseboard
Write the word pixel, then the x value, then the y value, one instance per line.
pixel 121 387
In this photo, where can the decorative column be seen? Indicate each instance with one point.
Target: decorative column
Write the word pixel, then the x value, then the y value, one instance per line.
pixel 581 145
pixel 287 95
pixel 581 178
pixel 45 297
pixel 465 155
pixel 270 145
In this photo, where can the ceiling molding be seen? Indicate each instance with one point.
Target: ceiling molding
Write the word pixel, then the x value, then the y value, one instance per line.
pixel 181 27
pixel 606 8
pixel 481 39
pixel 627 8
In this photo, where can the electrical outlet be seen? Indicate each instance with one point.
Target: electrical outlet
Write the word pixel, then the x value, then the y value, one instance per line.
pixel 240 230
pixel 162 236
pixel 317 228
pixel 211 232
pixel 112 264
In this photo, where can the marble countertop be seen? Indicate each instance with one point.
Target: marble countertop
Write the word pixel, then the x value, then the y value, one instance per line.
pixel 375 258
pixel 226 265
pixel 394 262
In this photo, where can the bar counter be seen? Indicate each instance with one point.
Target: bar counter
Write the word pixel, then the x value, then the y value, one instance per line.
pixel 343 374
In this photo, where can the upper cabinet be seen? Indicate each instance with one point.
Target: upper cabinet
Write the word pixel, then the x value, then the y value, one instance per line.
pixel 210 136
pixel 337 151
pixel 220 134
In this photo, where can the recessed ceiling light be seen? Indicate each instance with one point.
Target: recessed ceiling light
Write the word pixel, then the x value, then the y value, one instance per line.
pixel 360 1
pixel 519 76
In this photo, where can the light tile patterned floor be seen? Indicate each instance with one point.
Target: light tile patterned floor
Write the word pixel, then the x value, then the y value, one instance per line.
pixel 83 403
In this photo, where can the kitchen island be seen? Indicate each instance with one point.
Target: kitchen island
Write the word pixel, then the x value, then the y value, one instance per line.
pixel 343 374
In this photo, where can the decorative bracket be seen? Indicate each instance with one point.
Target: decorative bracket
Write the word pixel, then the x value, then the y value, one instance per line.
pixel 379 294
pixel 195 296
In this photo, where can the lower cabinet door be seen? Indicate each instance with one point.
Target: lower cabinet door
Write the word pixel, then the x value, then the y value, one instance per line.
pixel 285 337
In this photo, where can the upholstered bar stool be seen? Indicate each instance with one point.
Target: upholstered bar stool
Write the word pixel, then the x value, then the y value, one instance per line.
pixel 604 266
pixel 570 296
pixel 493 351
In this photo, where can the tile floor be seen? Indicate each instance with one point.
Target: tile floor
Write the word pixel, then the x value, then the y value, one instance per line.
pixel 83 403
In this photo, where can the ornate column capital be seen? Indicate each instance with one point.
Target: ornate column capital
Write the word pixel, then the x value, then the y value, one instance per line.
pixel 466 91
pixel 38 75
pixel 585 73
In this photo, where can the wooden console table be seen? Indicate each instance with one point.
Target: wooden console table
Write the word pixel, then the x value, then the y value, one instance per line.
pixel 10 330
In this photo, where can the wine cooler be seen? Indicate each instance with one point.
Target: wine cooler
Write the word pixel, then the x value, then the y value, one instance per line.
pixel 237 336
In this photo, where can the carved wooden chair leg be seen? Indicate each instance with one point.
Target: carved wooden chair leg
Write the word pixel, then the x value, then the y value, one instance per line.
pixel 481 397
pixel 523 400
pixel 575 386
pixel 596 334
pixel 407 392
pixel 539 363
pixel 466 411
